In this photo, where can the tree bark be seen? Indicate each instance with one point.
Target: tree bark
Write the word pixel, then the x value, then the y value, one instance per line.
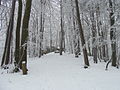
pixel 24 37
pixel 62 32
pixel 112 34
pixel 6 53
pixel 17 44
pixel 42 20
pixel 0 2
pixel 81 35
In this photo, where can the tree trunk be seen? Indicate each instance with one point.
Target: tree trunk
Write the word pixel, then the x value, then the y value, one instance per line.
pixel 24 70
pixel 17 44
pixel 81 35
pixel 42 20
pixel 0 2
pixel 50 28
pixel 24 37
pixel 6 53
pixel 89 51
pixel 112 34
pixel 62 32
pixel 41 25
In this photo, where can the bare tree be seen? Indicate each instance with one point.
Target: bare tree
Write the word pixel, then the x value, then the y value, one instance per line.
pixel 17 44
pixel 0 2
pixel 6 53
pixel 82 35
pixel 112 33
pixel 62 31
pixel 24 38
pixel 42 20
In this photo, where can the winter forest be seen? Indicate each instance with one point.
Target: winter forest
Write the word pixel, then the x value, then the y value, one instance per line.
pixel 59 44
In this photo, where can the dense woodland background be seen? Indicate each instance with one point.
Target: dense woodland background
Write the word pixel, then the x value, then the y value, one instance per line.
pixel 36 27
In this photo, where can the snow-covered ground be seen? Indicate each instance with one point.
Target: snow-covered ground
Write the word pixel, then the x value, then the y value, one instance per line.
pixel 54 72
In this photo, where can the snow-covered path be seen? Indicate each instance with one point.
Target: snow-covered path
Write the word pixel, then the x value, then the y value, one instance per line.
pixel 54 72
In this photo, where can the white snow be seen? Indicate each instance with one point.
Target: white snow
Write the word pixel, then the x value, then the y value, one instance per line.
pixel 55 72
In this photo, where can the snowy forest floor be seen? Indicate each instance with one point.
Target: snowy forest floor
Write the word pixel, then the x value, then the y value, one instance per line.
pixel 55 72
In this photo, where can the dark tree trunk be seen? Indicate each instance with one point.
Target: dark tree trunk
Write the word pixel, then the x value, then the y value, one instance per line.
pixel 112 34
pixel 5 48
pixel 62 31
pixel 0 2
pixel 78 48
pixel 81 35
pixel 24 37
pixel 17 44
pixel 41 24
pixel 6 54
pixel 89 51
pixel 103 49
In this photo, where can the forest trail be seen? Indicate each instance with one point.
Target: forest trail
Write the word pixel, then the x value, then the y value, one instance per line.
pixel 55 72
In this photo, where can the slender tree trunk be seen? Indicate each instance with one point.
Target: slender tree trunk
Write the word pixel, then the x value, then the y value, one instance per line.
pixel 62 31
pixel 50 27
pixel 89 51
pixel 17 44
pixel 41 25
pixel 81 35
pixel 6 53
pixel 112 34
pixel 75 39
pixel 42 20
pixel 0 2
pixel 24 38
